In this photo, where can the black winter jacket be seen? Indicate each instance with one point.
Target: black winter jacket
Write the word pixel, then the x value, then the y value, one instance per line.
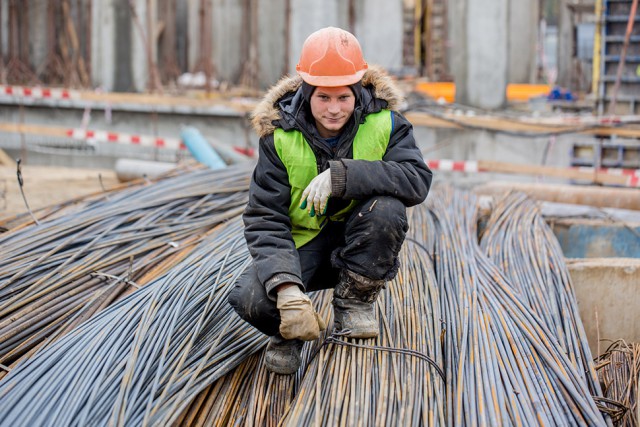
pixel 402 173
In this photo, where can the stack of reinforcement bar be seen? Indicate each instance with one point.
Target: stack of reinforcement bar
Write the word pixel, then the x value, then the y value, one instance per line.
pixel 142 360
pixel 55 275
pixel 340 384
pixel 173 352
pixel 504 366
pixel 500 370
pixel 521 243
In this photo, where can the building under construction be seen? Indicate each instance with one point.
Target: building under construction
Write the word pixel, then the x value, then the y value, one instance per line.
pixel 126 158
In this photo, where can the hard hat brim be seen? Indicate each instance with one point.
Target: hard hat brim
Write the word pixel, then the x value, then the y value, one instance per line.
pixel 332 81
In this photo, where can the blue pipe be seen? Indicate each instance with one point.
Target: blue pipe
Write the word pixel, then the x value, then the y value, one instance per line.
pixel 200 148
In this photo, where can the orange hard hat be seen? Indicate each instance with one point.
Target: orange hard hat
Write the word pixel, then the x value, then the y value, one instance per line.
pixel 331 57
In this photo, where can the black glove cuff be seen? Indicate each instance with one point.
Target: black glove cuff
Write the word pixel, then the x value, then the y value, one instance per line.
pixel 338 178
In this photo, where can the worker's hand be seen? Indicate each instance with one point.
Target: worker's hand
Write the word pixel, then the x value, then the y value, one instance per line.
pixel 316 195
pixel 298 319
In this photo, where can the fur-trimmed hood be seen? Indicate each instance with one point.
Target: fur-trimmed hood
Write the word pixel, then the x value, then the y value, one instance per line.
pixel 267 114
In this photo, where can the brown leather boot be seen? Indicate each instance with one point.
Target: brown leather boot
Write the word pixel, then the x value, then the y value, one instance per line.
pixel 354 305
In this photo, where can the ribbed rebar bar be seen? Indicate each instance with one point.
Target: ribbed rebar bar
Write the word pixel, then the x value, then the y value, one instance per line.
pixel 503 365
pixel 51 273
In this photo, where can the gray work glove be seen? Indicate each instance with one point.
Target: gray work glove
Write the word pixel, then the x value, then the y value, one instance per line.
pixel 316 195
pixel 298 319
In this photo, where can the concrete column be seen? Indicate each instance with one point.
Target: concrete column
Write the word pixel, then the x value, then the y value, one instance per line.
pixel 103 35
pixel 480 59
pixel 139 69
pixel 565 44
pixel 523 36
pixel 4 28
pixel 228 37
pixel 457 12
pixel 193 30
pixel 272 50
pixel 308 16
pixel 379 28
pixel 182 33
pixel 37 34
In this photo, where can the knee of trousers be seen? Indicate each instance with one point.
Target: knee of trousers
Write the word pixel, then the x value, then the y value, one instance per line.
pixel 249 298
pixel 387 215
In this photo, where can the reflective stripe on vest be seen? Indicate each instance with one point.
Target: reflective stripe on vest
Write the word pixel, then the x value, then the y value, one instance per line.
pixel 370 143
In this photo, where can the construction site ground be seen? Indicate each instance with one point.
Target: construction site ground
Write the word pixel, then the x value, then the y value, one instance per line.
pixel 47 185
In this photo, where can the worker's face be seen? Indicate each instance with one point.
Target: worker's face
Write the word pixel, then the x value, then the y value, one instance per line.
pixel 332 107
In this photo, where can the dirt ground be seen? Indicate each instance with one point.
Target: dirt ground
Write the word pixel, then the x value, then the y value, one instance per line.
pixel 44 186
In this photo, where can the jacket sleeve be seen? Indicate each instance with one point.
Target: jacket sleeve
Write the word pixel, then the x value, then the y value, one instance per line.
pixel 402 172
pixel 267 224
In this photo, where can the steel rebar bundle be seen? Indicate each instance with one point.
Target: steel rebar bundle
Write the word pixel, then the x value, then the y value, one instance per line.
pixel 342 384
pixel 59 273
pixel 367 384
pixel 174 353
pixel 504 367
pixel 250 394
pixel 142 360
pixel 522 244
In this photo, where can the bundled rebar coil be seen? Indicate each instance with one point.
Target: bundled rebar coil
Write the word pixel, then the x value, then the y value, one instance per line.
pixel 504 367
pixel 174 352
pixel 523 245
pixel 59 273
pixel 380 381
pixel 142 360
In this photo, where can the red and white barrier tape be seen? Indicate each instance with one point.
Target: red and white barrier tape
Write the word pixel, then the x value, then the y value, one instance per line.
pixel 633 174
pixel 450 165
pixel 610 171
pixel 123 138
pixel 39 93
pixel 473 166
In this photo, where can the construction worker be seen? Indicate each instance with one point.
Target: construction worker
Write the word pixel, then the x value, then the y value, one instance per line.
pixel 337 167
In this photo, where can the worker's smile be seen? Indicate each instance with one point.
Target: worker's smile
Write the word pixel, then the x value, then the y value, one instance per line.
pixel 335 119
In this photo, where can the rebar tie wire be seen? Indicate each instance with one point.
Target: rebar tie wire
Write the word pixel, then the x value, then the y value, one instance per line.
pixel 336 334
pixel 616 413
pixel 21 184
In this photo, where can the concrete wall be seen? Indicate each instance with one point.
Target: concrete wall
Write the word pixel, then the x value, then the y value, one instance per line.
pixel 118 53
pixel 233 129
pixel 608 292
pixel 483 145
pixel 480 45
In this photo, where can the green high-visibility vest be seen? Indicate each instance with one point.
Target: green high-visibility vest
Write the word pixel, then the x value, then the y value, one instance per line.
pixel 370 143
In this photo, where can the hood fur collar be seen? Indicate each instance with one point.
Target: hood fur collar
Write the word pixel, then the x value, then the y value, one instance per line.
pixel 267 112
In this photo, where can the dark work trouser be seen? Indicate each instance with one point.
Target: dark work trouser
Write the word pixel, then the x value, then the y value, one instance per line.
pixel 367 243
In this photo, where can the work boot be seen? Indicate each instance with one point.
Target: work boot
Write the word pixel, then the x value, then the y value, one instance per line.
pixel 353 305
pixel 283 356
